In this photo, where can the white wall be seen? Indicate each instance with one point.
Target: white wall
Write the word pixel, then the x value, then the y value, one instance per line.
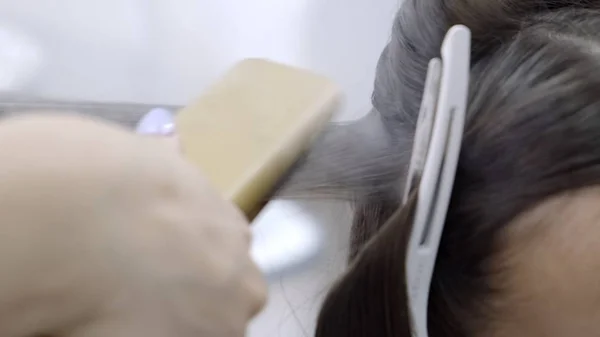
pixel 167 51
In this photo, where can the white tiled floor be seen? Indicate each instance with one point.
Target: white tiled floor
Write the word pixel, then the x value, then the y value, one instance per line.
pixel 160 51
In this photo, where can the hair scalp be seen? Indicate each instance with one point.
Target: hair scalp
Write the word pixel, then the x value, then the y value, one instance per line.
pixel 531 133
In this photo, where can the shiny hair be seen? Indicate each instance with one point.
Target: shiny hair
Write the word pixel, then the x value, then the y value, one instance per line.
pixel 532 132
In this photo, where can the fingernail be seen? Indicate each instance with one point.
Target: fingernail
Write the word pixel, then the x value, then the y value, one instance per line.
pixel 158 122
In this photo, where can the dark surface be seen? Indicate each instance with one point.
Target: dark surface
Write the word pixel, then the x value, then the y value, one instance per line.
pixel 123 113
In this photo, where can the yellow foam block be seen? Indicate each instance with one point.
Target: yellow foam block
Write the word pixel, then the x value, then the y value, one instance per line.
pixel 248 129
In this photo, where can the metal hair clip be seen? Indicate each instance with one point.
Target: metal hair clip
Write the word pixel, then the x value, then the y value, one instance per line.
pixel 433 164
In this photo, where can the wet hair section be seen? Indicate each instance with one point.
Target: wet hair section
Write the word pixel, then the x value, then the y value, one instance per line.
pixel 532 129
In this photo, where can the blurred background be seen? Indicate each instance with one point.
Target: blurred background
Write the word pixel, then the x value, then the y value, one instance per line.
pixel 167 52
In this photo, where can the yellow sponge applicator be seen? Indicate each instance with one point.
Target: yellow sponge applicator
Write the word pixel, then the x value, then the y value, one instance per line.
pixel 248 129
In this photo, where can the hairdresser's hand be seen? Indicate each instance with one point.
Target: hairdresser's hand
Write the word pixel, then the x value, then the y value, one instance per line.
pixel 106 233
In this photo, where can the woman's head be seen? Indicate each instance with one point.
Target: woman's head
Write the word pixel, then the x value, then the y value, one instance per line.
pixel 520 253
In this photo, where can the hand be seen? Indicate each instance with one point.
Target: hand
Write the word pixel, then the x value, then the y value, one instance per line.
pixel 105 233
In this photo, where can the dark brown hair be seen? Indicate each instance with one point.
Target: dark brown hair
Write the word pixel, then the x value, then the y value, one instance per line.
pixel 532 132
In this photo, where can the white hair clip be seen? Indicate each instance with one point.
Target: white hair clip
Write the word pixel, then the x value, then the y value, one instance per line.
pixel 433 164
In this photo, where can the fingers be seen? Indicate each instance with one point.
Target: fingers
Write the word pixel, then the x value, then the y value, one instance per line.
pixel 252 283
pixel 257 290
pixel 222 216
